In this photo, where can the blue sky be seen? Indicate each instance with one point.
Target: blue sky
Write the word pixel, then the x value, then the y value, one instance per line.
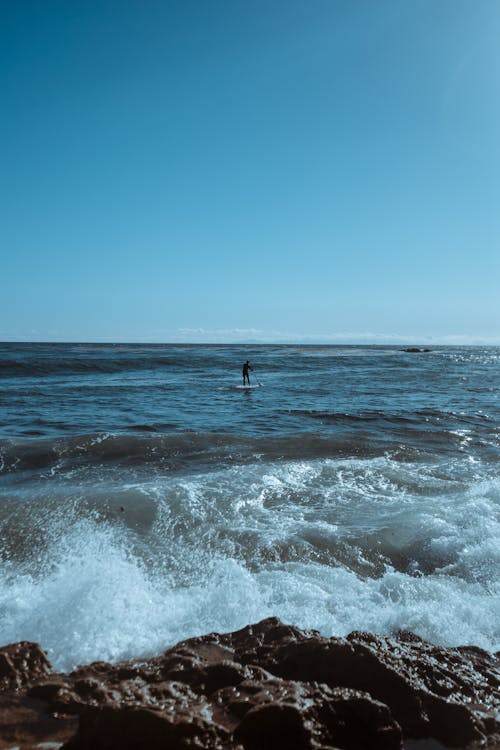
pixel 226 170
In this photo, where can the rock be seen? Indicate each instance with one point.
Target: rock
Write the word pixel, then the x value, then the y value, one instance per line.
pixel 432 692
pixel 24 723
pixel 274 727
pixel 134 728
pixel 284 714
pixel 268 685
pixel 21 663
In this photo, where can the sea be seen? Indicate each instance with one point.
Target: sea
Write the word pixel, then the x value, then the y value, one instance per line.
pixel 146 497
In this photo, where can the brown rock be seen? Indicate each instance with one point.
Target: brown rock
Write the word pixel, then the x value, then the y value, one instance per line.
pixel 21 663
pixel 132 728
pixel 24 723
pixel 284 714
pixel 268 685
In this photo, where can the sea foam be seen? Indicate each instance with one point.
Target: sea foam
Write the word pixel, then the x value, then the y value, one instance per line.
pixel 334 545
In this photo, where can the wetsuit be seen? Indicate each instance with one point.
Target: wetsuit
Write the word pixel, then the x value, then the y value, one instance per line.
pixel 246 377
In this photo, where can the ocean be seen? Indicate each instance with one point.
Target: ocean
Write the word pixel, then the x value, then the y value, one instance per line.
pixel 146 498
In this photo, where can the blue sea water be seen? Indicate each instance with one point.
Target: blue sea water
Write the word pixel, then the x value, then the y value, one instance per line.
pixel 145 497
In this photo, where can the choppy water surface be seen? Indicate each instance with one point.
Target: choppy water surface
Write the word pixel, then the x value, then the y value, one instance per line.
pixel 145 498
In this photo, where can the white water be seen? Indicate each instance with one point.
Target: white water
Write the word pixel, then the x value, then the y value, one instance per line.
pixel 333 545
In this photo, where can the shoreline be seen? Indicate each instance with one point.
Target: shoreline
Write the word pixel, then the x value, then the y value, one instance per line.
pixel 268 685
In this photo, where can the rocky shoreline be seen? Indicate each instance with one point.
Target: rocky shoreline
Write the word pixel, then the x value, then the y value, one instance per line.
pixel 268 686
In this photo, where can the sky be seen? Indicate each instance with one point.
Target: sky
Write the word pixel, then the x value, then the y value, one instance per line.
pixel 236 170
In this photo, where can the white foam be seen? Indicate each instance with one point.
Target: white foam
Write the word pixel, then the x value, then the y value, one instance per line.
pixel 105 606
pixel 103 590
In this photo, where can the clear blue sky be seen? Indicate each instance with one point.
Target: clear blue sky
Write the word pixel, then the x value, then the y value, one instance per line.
pixel 231 170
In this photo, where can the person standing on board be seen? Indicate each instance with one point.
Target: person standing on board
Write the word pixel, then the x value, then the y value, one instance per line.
pixel 246 367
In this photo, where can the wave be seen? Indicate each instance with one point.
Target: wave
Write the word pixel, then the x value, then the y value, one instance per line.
pixel 167 451
pixel 334 545
pixel 41 366
pixel 68 360
pixel 160 445
pixel 377 415
pixel 426 429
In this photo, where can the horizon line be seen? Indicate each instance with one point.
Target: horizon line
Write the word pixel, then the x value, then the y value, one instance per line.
pixel 254 342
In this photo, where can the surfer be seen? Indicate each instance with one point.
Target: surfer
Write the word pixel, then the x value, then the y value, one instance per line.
pixel 246 367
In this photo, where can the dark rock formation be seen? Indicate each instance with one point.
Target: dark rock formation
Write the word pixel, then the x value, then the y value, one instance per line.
pixel 266 687
pixel 415 350
pixel 21 663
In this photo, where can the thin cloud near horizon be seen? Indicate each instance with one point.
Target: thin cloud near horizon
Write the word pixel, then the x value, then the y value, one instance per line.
pixel 336 337
pixel 240 335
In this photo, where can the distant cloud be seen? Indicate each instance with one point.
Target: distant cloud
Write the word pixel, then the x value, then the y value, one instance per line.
pixel 221 331
pixel 255 335
pixel 200 335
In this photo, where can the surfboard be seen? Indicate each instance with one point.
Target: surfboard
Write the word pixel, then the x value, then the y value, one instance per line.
pixel 247 387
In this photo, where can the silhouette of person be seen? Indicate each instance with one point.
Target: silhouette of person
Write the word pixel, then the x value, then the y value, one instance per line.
pixel 246 367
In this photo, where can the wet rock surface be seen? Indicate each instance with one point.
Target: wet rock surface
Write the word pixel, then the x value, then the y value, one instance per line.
pixel 267 686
